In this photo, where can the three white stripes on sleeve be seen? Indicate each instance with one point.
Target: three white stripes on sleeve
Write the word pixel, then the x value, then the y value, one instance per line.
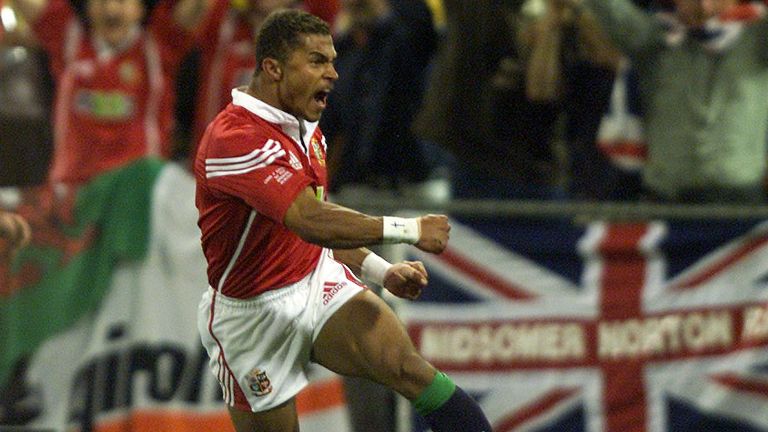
pixel 259 158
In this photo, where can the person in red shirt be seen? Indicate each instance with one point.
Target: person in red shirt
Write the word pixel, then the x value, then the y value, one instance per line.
pixel 114 79
pixel 282 260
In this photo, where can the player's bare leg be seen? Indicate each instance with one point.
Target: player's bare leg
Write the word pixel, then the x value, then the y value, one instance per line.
pixel 282 418
pixel 365 338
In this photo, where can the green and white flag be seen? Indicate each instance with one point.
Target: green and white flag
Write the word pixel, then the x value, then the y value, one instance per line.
pixel 67 269
pixel 130 360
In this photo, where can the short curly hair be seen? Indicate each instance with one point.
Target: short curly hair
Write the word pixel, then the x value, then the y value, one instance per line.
pixel 281 33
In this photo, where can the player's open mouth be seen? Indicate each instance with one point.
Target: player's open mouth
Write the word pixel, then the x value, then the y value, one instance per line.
pixel 321 98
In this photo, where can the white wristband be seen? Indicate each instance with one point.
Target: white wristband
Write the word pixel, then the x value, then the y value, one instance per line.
pixel 401 230
pixel 374 268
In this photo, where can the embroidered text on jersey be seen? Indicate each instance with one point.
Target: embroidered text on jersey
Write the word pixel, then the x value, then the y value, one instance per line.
pixel 259 158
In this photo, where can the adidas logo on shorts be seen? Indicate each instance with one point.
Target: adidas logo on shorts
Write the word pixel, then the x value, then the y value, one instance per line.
pixel 330 289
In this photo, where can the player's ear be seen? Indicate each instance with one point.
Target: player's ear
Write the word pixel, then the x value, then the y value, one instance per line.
pixel 272 68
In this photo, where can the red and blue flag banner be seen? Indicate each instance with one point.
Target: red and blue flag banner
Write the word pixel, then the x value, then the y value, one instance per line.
pixel 635 327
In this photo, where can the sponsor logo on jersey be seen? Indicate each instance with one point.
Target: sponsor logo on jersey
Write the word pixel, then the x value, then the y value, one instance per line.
pixel 105 105
pixel 330 289
pixel 259 382
pixel 294 161
pixel 318 154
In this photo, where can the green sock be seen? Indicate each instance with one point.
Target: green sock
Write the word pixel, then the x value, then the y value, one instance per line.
pixel 435 395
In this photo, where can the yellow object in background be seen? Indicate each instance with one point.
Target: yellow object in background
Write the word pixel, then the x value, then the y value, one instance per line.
pixel 438 13
pixel 239 5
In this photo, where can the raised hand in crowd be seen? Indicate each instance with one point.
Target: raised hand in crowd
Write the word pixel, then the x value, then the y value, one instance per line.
pixel 14 230
pixel 706 142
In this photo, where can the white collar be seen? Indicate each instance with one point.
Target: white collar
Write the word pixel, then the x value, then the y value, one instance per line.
pixel 289 123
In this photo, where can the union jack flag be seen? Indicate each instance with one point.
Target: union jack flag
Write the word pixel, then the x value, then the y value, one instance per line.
pixel 559 326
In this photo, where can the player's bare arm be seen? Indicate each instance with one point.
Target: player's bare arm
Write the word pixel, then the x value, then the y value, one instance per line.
pixel 404 279
pixel 352 258
pixel 333 226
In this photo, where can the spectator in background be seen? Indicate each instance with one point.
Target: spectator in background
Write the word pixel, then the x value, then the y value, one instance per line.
pixel 476 107
pixel 384 48
pixel 570 66
pixel 703 74
pixel 114 79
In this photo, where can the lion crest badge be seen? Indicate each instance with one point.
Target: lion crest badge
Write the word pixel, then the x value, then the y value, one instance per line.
pixel 259 383
pixel 318 153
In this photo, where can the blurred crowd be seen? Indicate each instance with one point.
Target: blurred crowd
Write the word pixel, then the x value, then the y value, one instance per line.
pixel 659 100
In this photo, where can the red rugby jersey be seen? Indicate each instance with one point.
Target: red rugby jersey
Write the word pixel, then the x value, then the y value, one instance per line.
pixel 110 109
pixel 251 164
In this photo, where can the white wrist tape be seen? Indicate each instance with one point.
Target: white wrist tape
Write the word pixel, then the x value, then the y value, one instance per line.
pixel 401 230
pixel 374 268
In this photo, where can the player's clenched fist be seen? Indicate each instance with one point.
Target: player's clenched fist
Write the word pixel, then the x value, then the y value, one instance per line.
pixel 406 279
pixel 434 233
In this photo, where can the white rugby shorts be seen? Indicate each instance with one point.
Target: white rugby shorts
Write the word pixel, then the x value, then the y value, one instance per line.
pixel 259 348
